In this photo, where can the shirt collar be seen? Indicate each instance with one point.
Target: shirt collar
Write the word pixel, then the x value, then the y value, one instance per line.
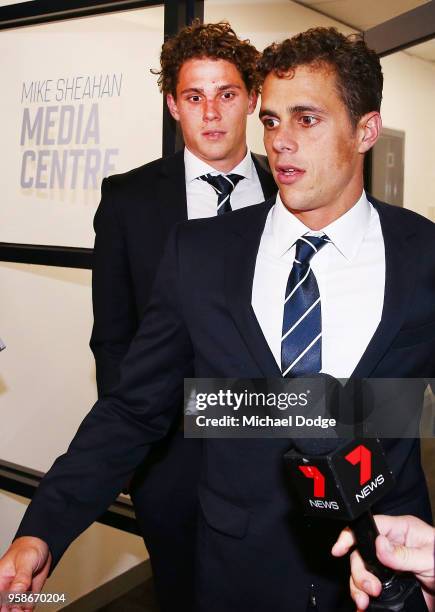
pixel 346 233
pixel 195 167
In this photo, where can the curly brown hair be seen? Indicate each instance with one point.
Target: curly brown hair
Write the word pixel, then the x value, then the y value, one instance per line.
pixel 357 68
pixel 208 40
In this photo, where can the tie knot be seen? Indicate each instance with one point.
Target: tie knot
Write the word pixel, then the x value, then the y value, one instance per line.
pixel 308 246
pixel 223 184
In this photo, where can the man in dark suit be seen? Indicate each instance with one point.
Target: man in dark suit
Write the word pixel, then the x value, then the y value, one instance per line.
pixel 208 77
pixel 215 304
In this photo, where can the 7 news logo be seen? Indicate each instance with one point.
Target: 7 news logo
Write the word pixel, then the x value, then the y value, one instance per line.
pixel 359 456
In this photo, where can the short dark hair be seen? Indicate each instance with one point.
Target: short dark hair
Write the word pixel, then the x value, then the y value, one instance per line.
pixel 208 40
pixel 357 68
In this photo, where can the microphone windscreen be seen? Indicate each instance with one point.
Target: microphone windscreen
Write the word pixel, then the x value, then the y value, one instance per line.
pixel 327 399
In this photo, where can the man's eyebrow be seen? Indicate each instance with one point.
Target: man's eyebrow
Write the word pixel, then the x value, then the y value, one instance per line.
pixel 292 110
pixel 192 90
pixel 200 90
pixel 229 86
pixel 266 111
pixel 304 108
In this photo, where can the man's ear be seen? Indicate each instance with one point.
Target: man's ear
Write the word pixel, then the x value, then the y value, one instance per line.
pixel 172 106
pixel 252 103
pixel 369 128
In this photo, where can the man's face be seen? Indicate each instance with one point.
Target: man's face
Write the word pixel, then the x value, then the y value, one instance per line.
pixel 315 153
pixel 212 105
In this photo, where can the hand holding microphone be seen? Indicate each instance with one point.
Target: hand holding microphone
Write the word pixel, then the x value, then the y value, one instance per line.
pixel 406 544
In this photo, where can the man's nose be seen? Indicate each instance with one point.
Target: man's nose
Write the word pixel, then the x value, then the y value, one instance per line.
pixel 211 110
pixel 285 140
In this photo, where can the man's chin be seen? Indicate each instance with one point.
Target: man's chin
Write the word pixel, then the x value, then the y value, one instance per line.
pixel 296 203
pixel 293 199
pixel 215 154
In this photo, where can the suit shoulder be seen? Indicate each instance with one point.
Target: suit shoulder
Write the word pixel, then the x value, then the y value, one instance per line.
pixel 143 173
pixel 412 220
pixel 130 191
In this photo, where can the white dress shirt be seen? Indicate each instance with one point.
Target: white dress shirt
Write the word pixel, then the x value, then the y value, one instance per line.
pixel 350 273
pixel 202 198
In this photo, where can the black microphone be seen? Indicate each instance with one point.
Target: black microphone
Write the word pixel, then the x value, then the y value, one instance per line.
pixel 341 479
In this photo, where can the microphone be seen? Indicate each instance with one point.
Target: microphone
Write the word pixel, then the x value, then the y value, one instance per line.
pixel 2 345
pixel 341 479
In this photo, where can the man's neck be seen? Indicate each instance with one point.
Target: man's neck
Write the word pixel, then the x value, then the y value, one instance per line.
pixel 318 218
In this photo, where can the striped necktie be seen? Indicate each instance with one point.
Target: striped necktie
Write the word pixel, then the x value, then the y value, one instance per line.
pixel 223 184
pixel 301 341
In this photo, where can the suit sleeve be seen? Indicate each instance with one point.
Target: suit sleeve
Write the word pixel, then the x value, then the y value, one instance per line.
pixel 117 433
pixel 115 318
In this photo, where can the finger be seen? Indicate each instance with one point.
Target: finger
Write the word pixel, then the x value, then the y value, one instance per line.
pixel 7 572
pixel 364 581
pixel 360 598
pixel 22 580
pixel 4 607
pixel 344 543
pixel 394 527
pixel 41 576
pixel 29 607
pixel 23 577
pixel 400 557
pixel 407 530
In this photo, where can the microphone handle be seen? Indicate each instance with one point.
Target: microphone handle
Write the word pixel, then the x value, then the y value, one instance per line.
pixel 366 532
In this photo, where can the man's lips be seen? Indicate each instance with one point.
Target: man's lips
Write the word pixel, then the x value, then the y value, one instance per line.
pixel 213 134
pixel 287 174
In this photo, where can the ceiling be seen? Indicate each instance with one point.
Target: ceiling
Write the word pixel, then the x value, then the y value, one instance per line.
pixel 362 15
pixel 369 13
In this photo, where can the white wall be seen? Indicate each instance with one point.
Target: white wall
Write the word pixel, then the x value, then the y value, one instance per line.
pixel 409 97
pixel 47 371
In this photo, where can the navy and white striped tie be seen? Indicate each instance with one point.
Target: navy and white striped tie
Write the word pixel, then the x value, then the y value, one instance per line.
pixel 301 341
pixel 224 185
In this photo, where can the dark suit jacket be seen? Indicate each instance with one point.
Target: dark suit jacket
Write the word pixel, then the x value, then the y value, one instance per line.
pixel 138 209
pixel 255 553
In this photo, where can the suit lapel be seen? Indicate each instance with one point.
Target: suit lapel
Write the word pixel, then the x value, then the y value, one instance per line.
pixel 268 185
pixel 171 189
pixel 240 259
pixel 401 263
